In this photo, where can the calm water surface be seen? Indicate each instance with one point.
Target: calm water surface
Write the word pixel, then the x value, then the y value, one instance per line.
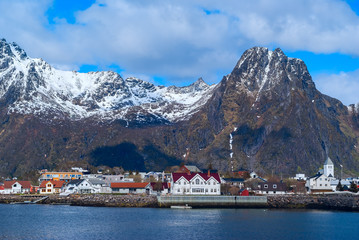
pixel 68 222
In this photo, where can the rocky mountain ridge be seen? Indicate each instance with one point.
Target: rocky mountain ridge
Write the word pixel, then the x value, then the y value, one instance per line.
pixel 32 86
pixel 266 115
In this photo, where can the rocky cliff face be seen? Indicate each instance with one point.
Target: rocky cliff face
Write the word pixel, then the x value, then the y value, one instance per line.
pixel 266 115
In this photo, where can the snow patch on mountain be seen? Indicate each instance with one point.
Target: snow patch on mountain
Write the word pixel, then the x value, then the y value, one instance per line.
pixel 32 86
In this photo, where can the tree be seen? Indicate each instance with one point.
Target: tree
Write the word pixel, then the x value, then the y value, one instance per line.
pixel 353 187
pixel 339 186
pixel 234 190
pixel 158 186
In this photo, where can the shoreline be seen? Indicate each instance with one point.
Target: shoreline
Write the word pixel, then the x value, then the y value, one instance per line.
pixel 344 202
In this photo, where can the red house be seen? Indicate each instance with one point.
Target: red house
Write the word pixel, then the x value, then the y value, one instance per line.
pixel 243 192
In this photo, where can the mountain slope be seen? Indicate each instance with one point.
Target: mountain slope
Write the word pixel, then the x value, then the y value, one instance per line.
pixel 265 115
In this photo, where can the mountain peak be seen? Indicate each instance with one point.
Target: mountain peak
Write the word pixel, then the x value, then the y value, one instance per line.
pixel 261 71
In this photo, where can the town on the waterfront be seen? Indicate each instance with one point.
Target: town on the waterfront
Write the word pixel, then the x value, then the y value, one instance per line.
pixel 184 180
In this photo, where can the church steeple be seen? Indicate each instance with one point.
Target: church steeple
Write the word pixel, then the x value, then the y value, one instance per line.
pixel 328 168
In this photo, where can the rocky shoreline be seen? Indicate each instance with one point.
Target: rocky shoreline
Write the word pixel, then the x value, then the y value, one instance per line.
pixel 96 200
pixel 348 202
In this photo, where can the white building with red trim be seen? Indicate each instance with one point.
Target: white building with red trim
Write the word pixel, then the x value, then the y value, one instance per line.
pixel 195 184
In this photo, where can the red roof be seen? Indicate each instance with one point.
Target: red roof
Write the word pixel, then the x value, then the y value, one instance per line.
pixel 57 184
pixel 187 176
pixel 129 185
pixel 24 184
pixel 2 188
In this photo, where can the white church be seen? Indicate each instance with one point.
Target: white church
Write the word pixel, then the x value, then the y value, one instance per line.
pixel 321 182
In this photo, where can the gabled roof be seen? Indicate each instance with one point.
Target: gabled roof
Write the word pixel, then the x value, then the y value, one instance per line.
pixel 129 185
pixel 205 176
pixel 96 181
pixel 328 162
pixel 75 182
pixel 24 184
pixel 56 184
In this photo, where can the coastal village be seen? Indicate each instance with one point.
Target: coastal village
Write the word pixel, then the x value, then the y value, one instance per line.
pixel 182 180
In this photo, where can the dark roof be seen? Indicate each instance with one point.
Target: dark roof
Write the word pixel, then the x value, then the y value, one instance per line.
pixel 316 176
pixel 129 185
pixel 234 179
pixel 75 182
pixel 268 186
pixel 24 184
pixel 187 176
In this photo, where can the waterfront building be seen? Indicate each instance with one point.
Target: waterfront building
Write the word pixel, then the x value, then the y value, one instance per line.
pixel 321 182
pixel 79 186
pixel 195 184
pixel 99 185
pixel 130 187
pixel 51 187
pixel 271 188
pixel 60 176
pixel 14 187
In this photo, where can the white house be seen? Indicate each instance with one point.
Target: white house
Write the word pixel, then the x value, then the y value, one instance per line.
pixel 271 188
pixel 321 182
pixel 195 184
pixel 14 187
pixel 79 186
pixel 99 186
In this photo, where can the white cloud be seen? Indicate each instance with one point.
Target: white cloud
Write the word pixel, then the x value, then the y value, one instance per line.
pixel 177 39
pixel 343 86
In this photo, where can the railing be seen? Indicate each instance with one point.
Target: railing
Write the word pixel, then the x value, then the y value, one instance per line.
pixel 213 200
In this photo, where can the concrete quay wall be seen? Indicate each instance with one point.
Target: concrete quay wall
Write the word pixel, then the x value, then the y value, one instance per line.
pixel 213 201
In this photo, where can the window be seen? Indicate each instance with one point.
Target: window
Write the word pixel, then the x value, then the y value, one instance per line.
pixel 15 185
pixel 265 185
pixel 320 179
pixel 43 190
pixel 215 190
pixel 49 185
pixel 325 184
pixel 48 190
pixel 211 190
pixel 184 183
pixel 206 190
pixel 178 190
pixel 274 185
pixel 197 181
pixel 320 184
pixel 179 183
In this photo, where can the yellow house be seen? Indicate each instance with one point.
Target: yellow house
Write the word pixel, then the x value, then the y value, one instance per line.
pixel 60 176
pixel 51 187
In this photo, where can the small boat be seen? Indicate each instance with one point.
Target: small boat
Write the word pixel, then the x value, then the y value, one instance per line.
pixel 182 207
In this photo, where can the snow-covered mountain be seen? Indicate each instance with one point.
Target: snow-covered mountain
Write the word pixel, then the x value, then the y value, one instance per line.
pixel 32 86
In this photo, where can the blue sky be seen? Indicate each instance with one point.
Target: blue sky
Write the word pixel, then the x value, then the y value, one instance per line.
pixel 175 42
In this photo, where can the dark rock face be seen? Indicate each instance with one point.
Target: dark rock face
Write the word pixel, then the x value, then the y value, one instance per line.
pixel 266 114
